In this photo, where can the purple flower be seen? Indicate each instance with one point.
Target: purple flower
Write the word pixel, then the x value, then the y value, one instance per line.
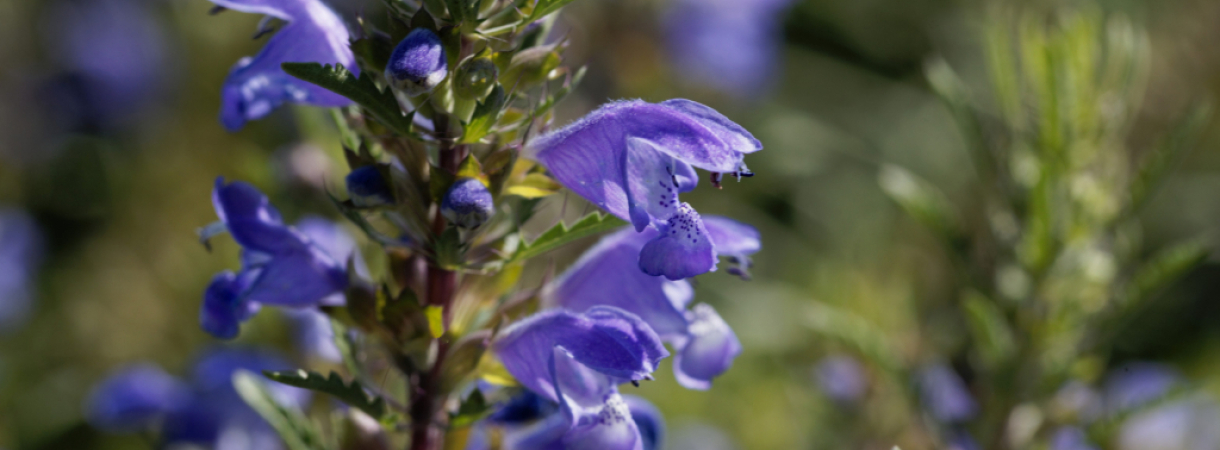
pixel 418 63
pixel 256 86
pixel 945 395
pixel 1070 438
pixel 205 410
pixel 298 267
pixel 577 361
pixel 841 378
pixel 648 420
pixel 729 45
pixel 633 158
pixel 608 274
pixel 21 249
pixel 468 203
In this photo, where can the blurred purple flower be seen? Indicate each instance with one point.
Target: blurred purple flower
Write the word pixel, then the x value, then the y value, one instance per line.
pixel 368 187
pixel 729 45
pixel 468 203
pixel 115 54
pixel 607 274
pixel 1188 424
pixel 648 420
pixel 314 334
pixel 21 252
pixel 633 158
pixel 841 378
pixel 577 361
pixel 205 411
pixel 945 395
pixel 1070 438
pixel 301 267
pixel 1138 383
pixel 256 86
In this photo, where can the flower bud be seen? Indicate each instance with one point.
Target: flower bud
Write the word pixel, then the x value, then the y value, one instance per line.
pixel 418 63
pixel 367 187
pixel 475 78
pixel 468 204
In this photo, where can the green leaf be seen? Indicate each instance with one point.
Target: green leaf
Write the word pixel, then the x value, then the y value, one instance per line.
pixel 472 409
pixel 535 185
pixel 485 115
pixel 990 329
pixel 352 393
pixel 296 430
pixel 561 234
pixel 380 103
pixel 546 7
pixel 436 320
pixel 923 201
pixel 855 331
pixel 463 358
pixel 1163 269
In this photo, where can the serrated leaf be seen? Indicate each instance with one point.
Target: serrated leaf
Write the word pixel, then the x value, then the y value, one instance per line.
pixel 381 104
pixel 561 234
pixel 296 430
pixel 353 394
pixel 436 320
pixel 485 115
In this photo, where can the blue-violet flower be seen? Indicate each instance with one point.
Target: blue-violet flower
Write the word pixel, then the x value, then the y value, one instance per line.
pixel 577 361
pixel 729 45
pixel 608 274
pixel 256 86
pixel 633 158
pixel 21 252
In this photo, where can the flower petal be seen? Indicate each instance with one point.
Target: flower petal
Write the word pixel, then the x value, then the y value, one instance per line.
pixel 732 238
pixel 729 132
pixel 225 305
pixel 945 394
pixel 334 241
pixel 256 86
pixel 608 340
pixel 648 420
pixel 609 274
pixel 683 249
pixel 708 351
pixel 251 219
pixel 598 415
pixel 652 186
pixel 314 334
pixel 301 278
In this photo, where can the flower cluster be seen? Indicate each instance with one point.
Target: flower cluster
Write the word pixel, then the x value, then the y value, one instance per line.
pixel 445 167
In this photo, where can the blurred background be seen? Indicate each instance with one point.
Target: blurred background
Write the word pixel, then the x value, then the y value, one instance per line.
pixel 852 325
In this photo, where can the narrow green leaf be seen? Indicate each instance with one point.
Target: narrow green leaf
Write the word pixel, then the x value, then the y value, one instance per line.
pixel 546 7
pixel 485 115
pixel 380 103
pixel 352 393
pixel 923 201
pixel 1162 158
pixel 1163 269
pixel 855 331
pixel 296 430
pixel 990 329
pixel 561 234
pixel 436 320
pixel 472 409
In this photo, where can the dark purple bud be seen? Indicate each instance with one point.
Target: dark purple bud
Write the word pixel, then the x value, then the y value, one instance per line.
pixel 468 203
pixel 368 187
pixel 418 63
